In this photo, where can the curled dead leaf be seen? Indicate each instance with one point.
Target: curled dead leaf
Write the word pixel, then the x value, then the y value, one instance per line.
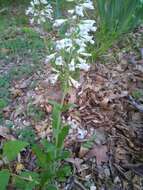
pixel 100 152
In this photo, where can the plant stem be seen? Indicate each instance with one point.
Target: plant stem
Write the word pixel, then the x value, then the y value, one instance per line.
pixel 24 178
pixel 58 12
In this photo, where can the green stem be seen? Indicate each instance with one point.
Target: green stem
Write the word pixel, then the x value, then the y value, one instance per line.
pixel 58 12
pixel 24 178
pixel 58 129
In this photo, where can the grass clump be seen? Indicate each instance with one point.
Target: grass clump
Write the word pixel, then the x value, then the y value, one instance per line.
pixel 115 18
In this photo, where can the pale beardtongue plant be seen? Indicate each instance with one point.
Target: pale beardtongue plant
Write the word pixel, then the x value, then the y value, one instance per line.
pixel 68 54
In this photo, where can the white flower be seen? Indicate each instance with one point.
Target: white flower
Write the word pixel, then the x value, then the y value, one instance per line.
pixel 71 11
pixel 73 124
pixel 81 134
pixel 59 22
pixel 53 78
pixel 79 11
pixel 64 44
pixel 36 2
pixel 44 1
pixel 50 57
pixel 31 20
pixel 80 42
pixel 30 10
pixel 59 61
pixel 74 83
pixel 88 4
pixel 82 64
pixel 93 187
pixel 72 65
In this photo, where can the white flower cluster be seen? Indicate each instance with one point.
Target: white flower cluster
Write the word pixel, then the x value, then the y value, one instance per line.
pixel 39 11
pixel 71 51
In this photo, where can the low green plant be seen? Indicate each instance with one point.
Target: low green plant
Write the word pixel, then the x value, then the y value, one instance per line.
pixel 137 94
pixel 115 18
pixel 89 144
pixel 35 112
pixel 3 103
pixel 27 134
pixel 49 157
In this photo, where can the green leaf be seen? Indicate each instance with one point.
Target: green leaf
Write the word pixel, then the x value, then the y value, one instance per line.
pixel 24 184
pixel 41 156
pixel 51 187
pixel 3 103
pixel 12 148
pixel 49 148
pixel 64 154
pixel 46 177
pixel 64 172
pixel 62 135
pixel 4 179
pixel 68 106
pixel 56 120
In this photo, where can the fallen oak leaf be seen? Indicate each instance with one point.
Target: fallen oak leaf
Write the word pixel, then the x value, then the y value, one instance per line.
pixel 98 151
pixel 76 162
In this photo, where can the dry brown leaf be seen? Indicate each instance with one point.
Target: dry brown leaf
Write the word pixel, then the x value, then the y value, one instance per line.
pixel 72 96
pixel 83 151
pixel 76 162
pixel 18 111
pixel 5 133
pixel 15 92
pixel 98 151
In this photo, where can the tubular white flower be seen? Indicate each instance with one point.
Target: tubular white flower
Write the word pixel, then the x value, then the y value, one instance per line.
pixel 73 82
pixel 59 22
pixel 44 1
pixel 82 64
pixel 50 57
pixel 64 43
pixel 88 4
pixel 59 60
pixel 71 11
pixel 79 11
pixel 72 65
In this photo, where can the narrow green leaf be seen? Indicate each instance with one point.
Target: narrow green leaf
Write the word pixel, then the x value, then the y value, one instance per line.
pixel 4 179
pixel 62 135
pixel 51 187
pixel 12 148
pixel 64 172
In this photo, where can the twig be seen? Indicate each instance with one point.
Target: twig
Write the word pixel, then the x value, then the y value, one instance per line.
pixel 79 184
pixel 135 104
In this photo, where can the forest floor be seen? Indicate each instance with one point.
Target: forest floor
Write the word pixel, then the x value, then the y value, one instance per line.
pixel 106 138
